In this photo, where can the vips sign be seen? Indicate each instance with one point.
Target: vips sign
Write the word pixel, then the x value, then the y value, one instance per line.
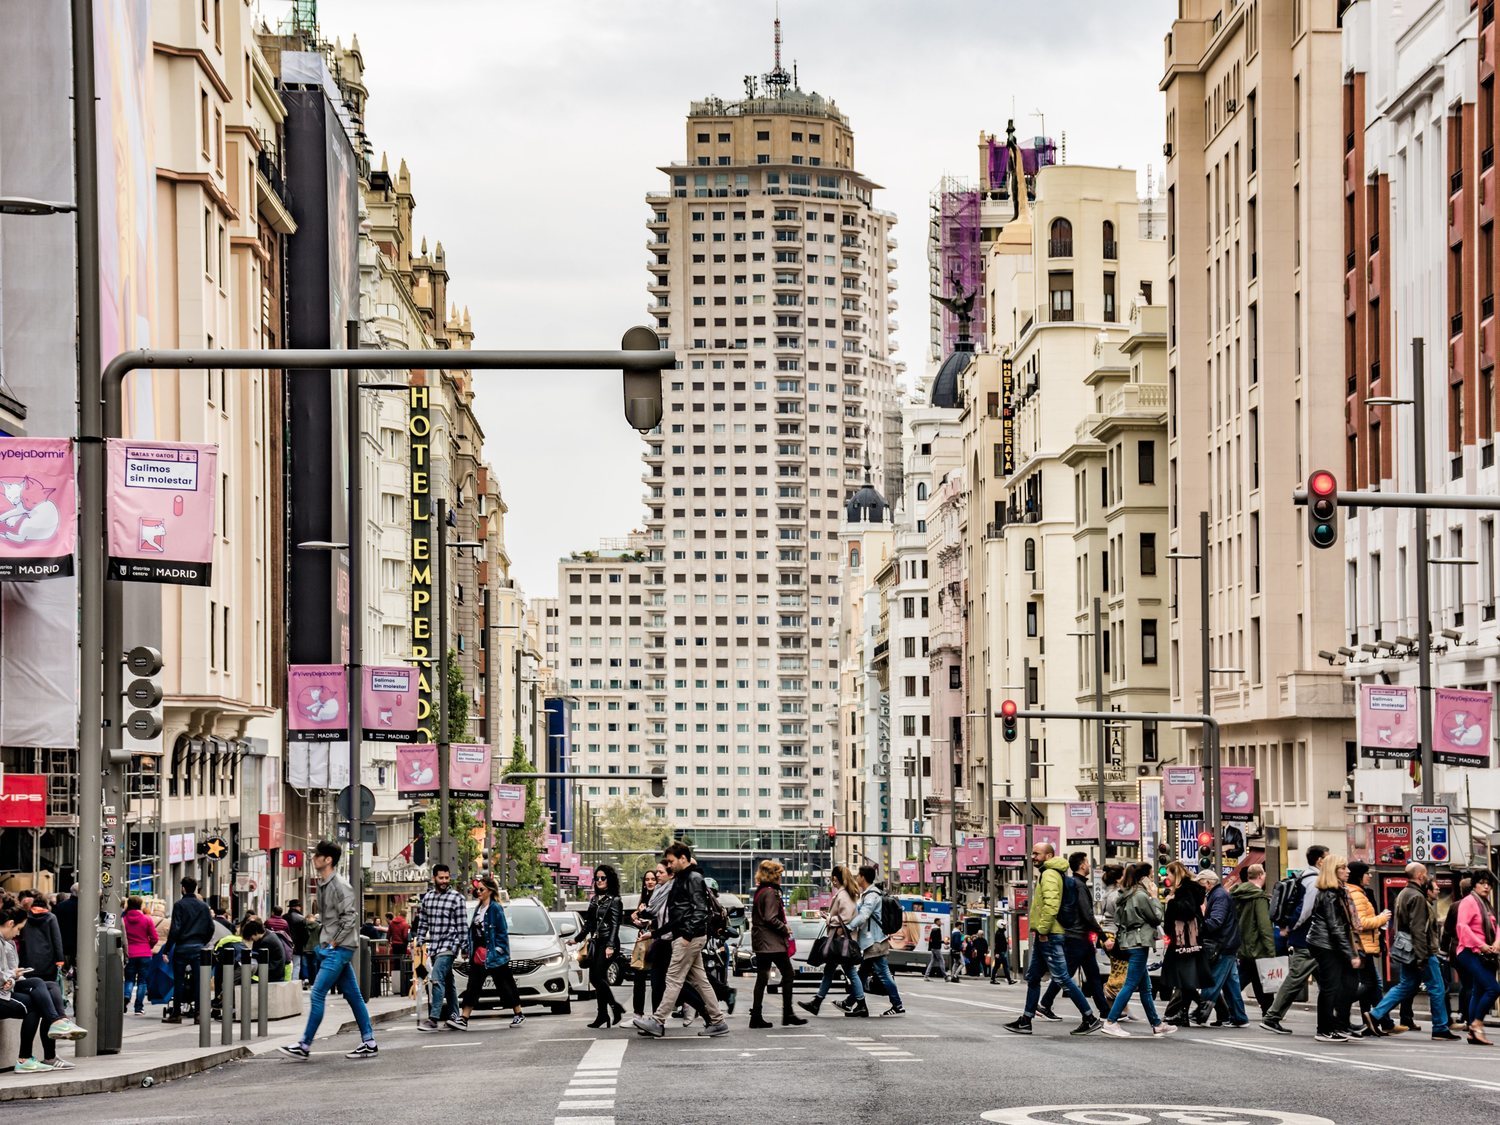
pixel 389 704
pixel 162 501
pixel 23 800
pixel 38 509
pixel 317 703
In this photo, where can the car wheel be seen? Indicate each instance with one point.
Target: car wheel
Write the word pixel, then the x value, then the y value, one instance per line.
pixel 563 1009
pixel 614 974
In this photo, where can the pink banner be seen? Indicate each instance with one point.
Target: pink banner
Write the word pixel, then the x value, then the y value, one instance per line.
pixel 1461 727
pixel 388 704
pixel 508 806
pixel 974 854
pixel 416 771
pixel 1388 726
pixel 1182 792
pixel 1237 792
pixel 575 866
pixel 1047 834
pixel 1122 821
pixel 469 770
pixel 1082 822
pixel 38 509
pixel 1010 842
pixel 909 872
pixel 940 861
pixel 551 849
pixel 162 511
pixel 317 703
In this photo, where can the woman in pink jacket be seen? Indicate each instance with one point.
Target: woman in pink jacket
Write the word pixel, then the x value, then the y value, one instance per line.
pixel 140 940
pixel 1479 952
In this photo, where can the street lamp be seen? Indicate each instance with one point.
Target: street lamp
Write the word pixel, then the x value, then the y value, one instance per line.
pixel 1210 733
pixel 445 829
pixel 20 205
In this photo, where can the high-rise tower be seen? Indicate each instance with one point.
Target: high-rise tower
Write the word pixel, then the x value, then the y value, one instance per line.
pixel 771 278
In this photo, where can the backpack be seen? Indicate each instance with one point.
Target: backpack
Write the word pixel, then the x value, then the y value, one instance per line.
pixel 1286 902
pixel 1067 911
pixel 717 925
pixel 892 917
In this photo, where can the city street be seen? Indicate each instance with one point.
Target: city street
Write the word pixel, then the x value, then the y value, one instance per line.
pixel 947 1061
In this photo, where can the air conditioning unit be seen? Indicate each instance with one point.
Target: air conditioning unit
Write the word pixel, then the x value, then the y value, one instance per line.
pixel 1167 149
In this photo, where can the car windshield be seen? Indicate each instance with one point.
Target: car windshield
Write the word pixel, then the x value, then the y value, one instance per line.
pixel 527 920
pixel 805 930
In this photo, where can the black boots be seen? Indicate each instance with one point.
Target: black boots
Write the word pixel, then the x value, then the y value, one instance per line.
pixel 811 1006
pixel 757 1022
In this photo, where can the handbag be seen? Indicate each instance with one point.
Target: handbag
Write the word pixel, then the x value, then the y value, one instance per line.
pixel 480 956
pixel 818 954
pixel 791 946
pixel 641 951
pixel 1402 950
pixel 586 952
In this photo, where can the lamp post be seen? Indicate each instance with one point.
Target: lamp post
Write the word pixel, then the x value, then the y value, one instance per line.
pixel 1210 732
pixel 445 827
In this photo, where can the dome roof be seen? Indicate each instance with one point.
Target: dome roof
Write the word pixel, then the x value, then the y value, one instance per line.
pixel 945 384
pixel 867 506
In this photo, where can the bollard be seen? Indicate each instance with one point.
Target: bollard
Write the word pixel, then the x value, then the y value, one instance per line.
pixel 226 1009
pixel 263 992
pixel 244 999
pixel 364 969
pixel 205 996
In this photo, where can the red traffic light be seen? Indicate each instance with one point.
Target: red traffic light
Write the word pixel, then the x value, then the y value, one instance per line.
pixel 1008 709
pixel 1322 483
pixel 832 832
pixel 1205 839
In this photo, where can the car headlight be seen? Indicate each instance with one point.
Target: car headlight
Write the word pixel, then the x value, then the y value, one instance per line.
pixel 554 960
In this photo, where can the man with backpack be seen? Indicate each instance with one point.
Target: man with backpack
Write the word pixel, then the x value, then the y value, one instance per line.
pixel 956 952
pixel 1054 906
pixel 1291 912
pixel 693 914
pixel 1078 943
pixel 877 917
pixel 935 953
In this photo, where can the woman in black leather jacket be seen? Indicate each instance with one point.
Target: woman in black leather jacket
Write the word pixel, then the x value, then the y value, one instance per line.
pixel 1330 936
pixel 601 928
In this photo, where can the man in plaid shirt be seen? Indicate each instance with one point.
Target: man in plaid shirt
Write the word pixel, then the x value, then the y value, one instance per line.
pixel 441 928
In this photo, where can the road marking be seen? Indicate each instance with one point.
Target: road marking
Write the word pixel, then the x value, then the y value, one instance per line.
pixel 909 1037
pixel 798 1035
pixel 591 1119
pixel 572 1039
pixel 596 1074
pixel 1361 1064
pixel 970 1003
pixel 604 1054
pixel 599 1103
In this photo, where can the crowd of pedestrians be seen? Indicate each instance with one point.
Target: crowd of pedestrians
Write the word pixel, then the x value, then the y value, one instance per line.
pixel 38 945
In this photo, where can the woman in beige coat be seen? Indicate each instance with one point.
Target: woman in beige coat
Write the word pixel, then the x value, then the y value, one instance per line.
pixel 841 912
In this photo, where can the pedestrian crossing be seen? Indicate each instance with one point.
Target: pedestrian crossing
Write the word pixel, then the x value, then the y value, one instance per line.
pixel 590 1096
pixel 879 1049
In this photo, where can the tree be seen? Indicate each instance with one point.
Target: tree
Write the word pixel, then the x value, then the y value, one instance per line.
pixel 631 825
pixel 458 701
pixel 527 875
pixel 464 817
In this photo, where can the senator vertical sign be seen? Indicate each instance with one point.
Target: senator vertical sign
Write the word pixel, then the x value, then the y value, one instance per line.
pixel 1007 418
pixel 419 438
pixel 162 510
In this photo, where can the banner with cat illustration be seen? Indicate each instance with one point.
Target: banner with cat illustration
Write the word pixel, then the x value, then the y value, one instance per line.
pixel 389 703
pixel 38 509
pixel 1461 727
pixel 317 703
pixel 162 509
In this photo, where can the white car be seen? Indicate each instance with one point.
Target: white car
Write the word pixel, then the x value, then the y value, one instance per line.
pixel 539 960
pixel 568 925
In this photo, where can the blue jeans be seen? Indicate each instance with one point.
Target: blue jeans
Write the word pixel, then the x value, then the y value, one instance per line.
pixel 442 983
pixel 334 969
pixel 1407 985
pixel 1482 986
pixel 1137 979
pixel 832 969
pixel 882 969
pixel 135 980
pixel 1226 971
pixel 1051 956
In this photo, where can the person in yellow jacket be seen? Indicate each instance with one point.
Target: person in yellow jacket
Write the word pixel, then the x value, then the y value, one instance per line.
pixel 1368 927
pixel 1051 904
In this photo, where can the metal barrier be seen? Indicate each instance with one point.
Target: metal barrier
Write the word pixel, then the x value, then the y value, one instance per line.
pixel 226 991
pixel 263 993
pixel 364 971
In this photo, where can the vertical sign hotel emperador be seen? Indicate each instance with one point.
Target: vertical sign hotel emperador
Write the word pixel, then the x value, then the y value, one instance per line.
pixel 419 434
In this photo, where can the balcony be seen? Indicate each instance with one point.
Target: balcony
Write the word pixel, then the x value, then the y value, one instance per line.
pixel 1351 296
pixel 1372 276
pixel 1455 218
pixel 1487 44
pixel 1351 170
pixel 1060 248
pixel 1487 194
pixel 1487 331
pixel 1456 325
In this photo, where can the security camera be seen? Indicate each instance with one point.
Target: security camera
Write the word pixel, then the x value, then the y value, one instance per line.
pixel 1407 642
pixel 1367 647
pixel 1452 634
pixel 1324 654
pixel 1346 651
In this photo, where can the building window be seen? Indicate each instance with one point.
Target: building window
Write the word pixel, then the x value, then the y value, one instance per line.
pixel 1060 239
pixel 1148 641
pixel 1148 552
pixel 1029 554
pixel 1145 454
pixel 1031 619
pixel 1060 286
pixel 1111 251
pixel 955 676
pixel 1109 299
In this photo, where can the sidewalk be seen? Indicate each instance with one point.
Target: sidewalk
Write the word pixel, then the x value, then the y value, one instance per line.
pixel 162 1052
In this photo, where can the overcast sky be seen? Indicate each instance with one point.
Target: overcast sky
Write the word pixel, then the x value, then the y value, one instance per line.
pixel 533 131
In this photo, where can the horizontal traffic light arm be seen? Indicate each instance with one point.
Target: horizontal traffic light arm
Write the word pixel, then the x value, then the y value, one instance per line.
pixel 1408 500
pixel 575 776
pixel 885 836
pixel 1123 716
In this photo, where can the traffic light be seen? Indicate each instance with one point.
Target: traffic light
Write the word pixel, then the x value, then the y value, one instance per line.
pixel 1323 509
pixel 1163 857
pixel 143 701
pixel 658 786
pixel 832 834
pixel 1205 839
pixel 1008 720
pixel 642 388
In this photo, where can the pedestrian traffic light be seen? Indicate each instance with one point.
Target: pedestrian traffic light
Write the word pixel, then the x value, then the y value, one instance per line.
pixel 642 388
pixel 1323 509
pixel 1008 720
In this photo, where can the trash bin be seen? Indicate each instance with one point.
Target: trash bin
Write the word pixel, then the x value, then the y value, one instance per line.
pixel 109 1021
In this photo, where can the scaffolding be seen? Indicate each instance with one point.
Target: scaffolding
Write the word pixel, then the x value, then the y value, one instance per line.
pixel 955 262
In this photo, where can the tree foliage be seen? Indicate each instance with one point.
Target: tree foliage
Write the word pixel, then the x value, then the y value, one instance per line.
pixel 527 874
pixel 628 825
pixel 458 701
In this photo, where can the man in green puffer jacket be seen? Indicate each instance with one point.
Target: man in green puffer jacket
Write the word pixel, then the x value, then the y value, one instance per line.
pixel 1257 938
pixel 1047 953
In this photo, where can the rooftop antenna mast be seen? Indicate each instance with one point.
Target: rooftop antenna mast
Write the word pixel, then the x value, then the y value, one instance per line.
pixel 778 79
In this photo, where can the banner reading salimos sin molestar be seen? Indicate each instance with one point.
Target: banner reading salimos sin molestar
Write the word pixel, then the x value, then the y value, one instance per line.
pixel 162 508
pixel 38 509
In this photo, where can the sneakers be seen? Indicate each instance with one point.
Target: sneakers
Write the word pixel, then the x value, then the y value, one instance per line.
pixel 649 1025
pixel 517 1020
pixel 1331 1037
pixel 1115 1031
pixel 1271 1023
pixel 1088 1026
pixel 457 1023
pixel 31 1066
pixel 429 1025
pixel 1125 1017
pixel 714 1030
pixel 59 1063
pixel 1164 1029
pixel 295 1051
pixel 1446 1035
pixel 843 1005
pixel 857 1010
pixel 1046 1012
pixel 65 1029
pixel 363 1051
pixel 894 1010
pixel 1021 1026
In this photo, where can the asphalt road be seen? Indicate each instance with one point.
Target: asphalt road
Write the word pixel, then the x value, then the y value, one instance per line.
pixel 948 1061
